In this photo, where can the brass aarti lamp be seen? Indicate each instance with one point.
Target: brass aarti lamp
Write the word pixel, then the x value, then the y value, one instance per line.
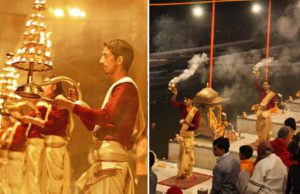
pixel 34 54
pixel 8 85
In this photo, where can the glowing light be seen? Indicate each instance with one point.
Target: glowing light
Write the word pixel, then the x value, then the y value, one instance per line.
pixel 76 12
pixel 31 50
pixel 83 14
pixel 28 23
pixel 256 8
pixel 42 24
pixel 42 38
pixel 47 54
pixel 59 12
pixel 197 11
pixel 49 43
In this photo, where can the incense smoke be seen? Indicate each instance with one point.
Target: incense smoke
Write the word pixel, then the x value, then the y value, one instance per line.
pixel 270 61
pixel 164 27
pixel 288 25
pixel 233 72
pixel 196 64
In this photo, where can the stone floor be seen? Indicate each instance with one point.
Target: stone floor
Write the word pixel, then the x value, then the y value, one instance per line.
pixel 170 170
pixel 293 105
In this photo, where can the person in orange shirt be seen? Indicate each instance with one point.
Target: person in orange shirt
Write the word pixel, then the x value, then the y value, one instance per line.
pixel 246 162
pixel 246 167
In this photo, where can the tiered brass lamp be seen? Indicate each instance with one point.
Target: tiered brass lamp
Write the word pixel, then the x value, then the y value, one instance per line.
pixel 8 85
pixel 35 52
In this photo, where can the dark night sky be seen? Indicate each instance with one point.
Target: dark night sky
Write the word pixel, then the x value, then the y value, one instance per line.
pixel 234 21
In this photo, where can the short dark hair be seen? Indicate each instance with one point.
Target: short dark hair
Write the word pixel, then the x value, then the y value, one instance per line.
pixel 151 158
pixel 283 132
pixel 222 143
pixel 119 47
pixel 246 151
pixel 59 87
pixel 290 122
pixel 267 82
pixel 189 96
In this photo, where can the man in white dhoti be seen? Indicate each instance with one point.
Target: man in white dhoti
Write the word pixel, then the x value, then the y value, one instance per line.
pixel 35 146
pixel 54 172
pixel 115 126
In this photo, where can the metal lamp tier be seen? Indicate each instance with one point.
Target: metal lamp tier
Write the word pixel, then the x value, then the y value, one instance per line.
pixel 8 85
pixel 34 54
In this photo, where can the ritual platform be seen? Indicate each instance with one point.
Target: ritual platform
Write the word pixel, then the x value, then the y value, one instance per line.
pixel 293 105
pixel 248 124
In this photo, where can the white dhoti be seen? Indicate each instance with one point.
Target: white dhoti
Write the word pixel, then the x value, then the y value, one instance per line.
pixel 263 125
pixel 15 172
pixel 55 166
pixel 186 157
pixel 110 173
pixel 3 166
pixel 264 121
pixel 32 163
pixel 3 185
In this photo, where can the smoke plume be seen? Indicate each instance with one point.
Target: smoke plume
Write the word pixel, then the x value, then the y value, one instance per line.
pixel 196 64
pixel 270 61
pixel 288 25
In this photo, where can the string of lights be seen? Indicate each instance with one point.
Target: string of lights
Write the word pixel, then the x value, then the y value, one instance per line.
pixel 196 3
